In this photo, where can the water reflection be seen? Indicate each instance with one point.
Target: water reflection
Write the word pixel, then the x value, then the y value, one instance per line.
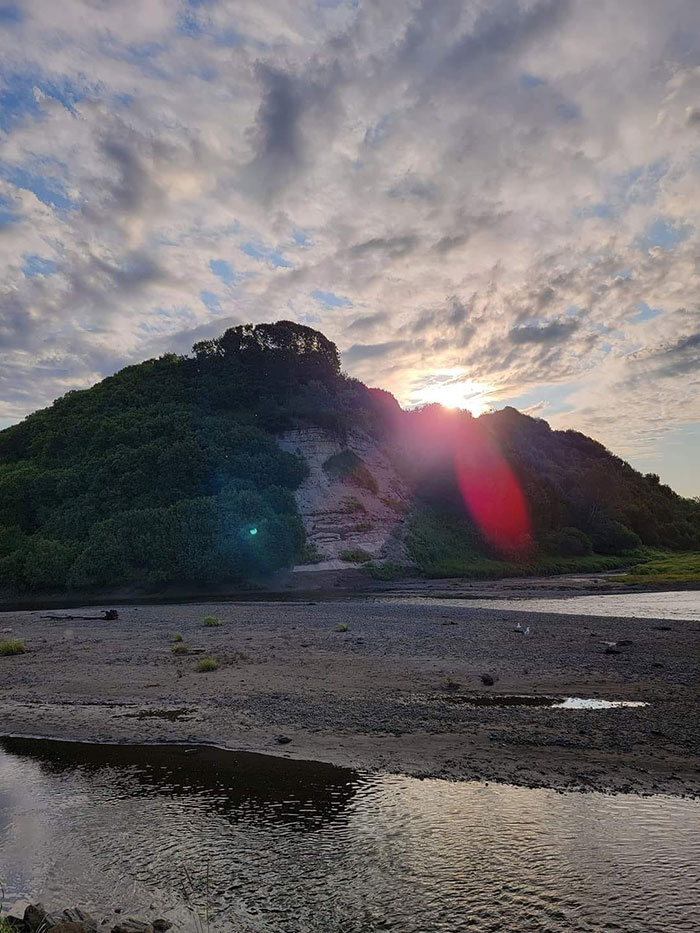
pixel 298 847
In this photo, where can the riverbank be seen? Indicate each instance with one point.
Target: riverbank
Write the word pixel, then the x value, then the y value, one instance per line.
pixel 388 693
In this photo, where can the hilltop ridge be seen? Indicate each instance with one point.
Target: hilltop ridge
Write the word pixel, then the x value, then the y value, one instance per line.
pixel 184 468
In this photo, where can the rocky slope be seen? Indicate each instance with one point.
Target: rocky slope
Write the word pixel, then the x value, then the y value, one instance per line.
pixel 352 502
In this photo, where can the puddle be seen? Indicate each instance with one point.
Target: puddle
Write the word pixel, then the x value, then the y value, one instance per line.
pixel 279 846
pixel 587 703
pixel 173 715
pixel 548 701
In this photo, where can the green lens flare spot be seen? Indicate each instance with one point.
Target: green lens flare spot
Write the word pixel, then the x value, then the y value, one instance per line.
pixel 253 531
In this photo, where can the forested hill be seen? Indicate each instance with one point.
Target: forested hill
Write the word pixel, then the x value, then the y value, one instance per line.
pixel 170 471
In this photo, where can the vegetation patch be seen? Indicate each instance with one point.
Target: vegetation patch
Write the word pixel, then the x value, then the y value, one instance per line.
pixel 212 622
pixel 662 568
pixel 389 570
pixel 204 665
pixel 11 646
pixel 180 647
pixel 347 467
pixel 178 636
pixel 356 555
pixel 342 627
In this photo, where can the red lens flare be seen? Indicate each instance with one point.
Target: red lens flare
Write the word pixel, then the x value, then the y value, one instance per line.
pixel 492 493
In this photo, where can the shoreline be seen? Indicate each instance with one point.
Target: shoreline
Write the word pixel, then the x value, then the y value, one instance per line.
pixel 383 696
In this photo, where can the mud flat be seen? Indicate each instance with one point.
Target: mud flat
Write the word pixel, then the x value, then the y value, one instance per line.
pixel 398 691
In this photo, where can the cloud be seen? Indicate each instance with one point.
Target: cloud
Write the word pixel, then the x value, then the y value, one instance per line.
pixel 493 188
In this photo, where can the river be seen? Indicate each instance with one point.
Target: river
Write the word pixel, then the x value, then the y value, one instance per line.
pixel 268 844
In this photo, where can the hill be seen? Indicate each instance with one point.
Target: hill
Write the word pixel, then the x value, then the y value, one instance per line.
pixel 173 470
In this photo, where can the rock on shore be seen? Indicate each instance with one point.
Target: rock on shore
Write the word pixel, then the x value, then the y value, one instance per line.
pixel 37 919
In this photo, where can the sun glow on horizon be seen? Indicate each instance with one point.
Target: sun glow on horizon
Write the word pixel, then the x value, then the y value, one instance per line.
pixel 446 388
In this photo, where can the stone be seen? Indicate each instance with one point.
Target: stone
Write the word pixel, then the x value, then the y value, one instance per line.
pixel 487 680
pixel 161 926
pixel 80 921
pixel 282 739
pixel 68 926
pixel 34 916
pixel 130 925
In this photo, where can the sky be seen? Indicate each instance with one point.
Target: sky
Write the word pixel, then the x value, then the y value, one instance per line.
pixel 483 202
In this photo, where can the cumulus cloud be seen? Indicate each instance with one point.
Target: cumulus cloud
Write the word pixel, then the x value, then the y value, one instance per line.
pixel 493 189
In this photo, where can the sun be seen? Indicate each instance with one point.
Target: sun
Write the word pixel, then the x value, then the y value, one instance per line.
pixel 449 390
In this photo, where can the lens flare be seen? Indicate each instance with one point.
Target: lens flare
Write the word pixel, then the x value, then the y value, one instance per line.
pixel 491 492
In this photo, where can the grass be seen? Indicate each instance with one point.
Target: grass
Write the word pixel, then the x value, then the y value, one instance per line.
pixel 178 636
pixel 356 555
pixel 664 567
pixel 11 646
pixel 6 927
pixel 342 627
pixel 204 665
pixel 180 647
pixel 212 622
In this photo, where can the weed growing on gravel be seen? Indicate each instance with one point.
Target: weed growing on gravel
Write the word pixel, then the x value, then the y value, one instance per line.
pixel 212 622
pixel 178 636
pixel 342 627
pixel 11 646
pixel 206 664
pixel 180 647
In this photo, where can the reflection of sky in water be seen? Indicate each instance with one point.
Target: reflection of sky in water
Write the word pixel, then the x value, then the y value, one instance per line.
pixel 683 604
pixel 324 849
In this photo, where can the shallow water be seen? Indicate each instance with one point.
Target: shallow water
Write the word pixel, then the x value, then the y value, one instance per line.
pixel 299 846
pixel 679 604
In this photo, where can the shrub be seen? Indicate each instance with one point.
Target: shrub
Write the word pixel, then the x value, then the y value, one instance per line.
pixel 180 647
pixel 389 570
pixel 356 556
pixel 11 646
pixel 311 554
pixel 342 627
pixel 351 506
pixel 178 636
pixel 364 526
pixel 569 542
pixel 612 537
pixel 212 622
pixel 347 467
pixel 204 665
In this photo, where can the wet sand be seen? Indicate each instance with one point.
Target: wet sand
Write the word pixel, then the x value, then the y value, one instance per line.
pixel 385 695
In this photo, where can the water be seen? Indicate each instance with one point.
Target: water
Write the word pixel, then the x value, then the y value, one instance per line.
pixel 681 604
pixel 297 846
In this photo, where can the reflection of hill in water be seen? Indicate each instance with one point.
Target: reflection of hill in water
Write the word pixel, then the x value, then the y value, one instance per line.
pixel 242 785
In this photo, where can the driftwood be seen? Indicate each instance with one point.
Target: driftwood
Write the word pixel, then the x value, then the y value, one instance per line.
pixel 107 616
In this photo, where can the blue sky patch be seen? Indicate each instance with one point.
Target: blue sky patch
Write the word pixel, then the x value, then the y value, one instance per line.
pixel 266 254
pixel 331 300
pixel 48 189
pixel 210 301
pixel 665 233
pixel 18 100
pixel 224 271
pixel 36 265
pixel 7 214
pixel 10 14
pixel 644 313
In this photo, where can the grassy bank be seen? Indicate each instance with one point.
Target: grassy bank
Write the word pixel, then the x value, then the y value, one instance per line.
pixel 664 567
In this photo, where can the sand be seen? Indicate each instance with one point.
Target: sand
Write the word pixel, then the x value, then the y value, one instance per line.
pixel 389 694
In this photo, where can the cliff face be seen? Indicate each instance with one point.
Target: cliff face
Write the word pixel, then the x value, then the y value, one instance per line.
pixel 353 499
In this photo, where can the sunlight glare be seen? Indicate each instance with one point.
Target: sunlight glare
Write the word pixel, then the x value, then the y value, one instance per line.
pixel 452 392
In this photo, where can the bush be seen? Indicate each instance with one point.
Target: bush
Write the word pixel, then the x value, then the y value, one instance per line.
pixel 342 627
pixel 204 665
pixel 612 537
pixel 569 542
pixel 389 570
pixel 11 646
pixel 178 636
pixel 180 647
pixel 356 556
pixel 212 622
